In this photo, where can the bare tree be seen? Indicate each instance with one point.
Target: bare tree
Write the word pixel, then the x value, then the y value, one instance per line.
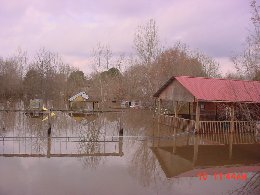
pixel 248 63
pixel 146 42
pixel 48 74
pixel 108 78
pixel 98 54
pixel 107 55
pixel 143 81
pixel 119 61
pixel 10 78
pixel 209 66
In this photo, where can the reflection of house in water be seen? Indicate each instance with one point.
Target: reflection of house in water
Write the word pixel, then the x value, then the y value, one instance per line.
pixel 233 151
pixel 82 101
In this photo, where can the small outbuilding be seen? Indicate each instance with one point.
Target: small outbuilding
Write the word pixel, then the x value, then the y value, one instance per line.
pixel 82 101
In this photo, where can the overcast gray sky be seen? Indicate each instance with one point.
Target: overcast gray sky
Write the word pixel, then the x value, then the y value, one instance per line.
pixel 73 27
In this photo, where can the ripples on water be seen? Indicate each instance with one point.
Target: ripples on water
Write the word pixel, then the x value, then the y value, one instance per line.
pixel 85 155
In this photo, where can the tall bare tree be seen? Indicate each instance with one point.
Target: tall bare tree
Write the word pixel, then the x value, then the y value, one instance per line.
pixel 146 42
pixel 248 63
pixel 143 81
pixel 48 74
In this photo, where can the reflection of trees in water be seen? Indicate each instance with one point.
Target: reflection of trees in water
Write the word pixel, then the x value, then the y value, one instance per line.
pixel 251 186
pixel 39 142
pixel 33 127
pixel 17 124
pixel 2 132
pixel 92 128
pixel 144 165
pixel 90 133
pixel 3 128
pixel 88 129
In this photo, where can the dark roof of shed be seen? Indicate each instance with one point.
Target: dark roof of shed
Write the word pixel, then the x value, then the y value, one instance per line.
pixel 211 89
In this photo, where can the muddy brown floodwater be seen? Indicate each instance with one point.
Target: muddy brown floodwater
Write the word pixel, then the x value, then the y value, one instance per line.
pixel 121 153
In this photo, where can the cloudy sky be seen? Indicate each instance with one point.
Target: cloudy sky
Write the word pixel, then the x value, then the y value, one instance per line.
pixel 74 27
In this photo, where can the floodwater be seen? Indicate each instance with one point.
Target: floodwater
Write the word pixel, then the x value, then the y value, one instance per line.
pixel 121 153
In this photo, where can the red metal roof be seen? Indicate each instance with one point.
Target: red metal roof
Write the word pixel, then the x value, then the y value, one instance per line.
pixel 209 89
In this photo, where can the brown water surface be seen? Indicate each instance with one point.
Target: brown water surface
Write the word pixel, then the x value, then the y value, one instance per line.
pixel 88 154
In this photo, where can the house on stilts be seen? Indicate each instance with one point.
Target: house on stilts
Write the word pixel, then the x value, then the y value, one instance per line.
pixel 209 105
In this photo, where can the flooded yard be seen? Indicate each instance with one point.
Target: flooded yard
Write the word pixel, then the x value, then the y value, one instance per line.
pixel 125 152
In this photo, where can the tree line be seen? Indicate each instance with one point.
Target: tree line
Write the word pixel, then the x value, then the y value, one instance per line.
pixel 48 77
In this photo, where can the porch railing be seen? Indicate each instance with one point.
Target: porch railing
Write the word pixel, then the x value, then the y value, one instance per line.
pixel 176 122
pixel 225 126
pixel 208 126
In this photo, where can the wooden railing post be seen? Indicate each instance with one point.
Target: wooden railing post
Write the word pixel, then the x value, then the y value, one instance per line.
pixel 176 109
pixel 159 109
pixel 195 149
pixel 230 146
pixel 232 123
pixel 197 124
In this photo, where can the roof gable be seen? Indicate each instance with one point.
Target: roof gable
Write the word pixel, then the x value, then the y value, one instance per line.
pixel 209 89
pixel 82 94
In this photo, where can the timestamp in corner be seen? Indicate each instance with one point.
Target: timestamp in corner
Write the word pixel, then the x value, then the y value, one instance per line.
pixel 219 176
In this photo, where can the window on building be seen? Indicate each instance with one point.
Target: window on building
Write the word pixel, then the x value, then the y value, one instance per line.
pixel 202 106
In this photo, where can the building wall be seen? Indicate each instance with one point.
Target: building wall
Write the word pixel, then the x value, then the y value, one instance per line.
pixel 207 110
pixel 176 92
pixel 78 105
pixel 79 99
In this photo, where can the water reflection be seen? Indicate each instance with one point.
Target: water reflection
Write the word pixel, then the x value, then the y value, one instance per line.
pixel 188 156
pixel 201 152
pixel 147 159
